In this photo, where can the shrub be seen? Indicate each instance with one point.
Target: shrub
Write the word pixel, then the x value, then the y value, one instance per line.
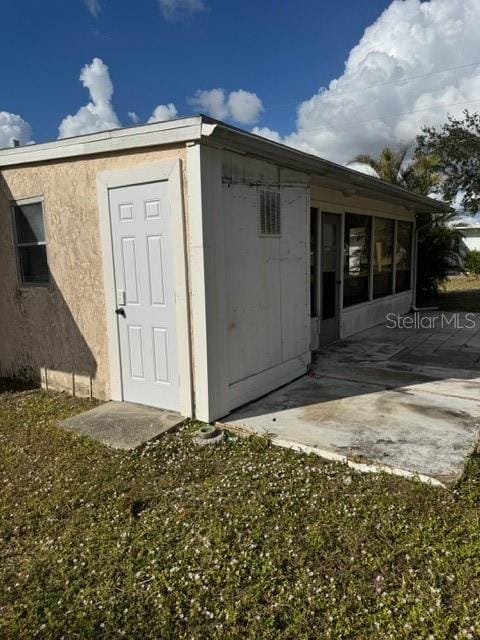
pixel 472 262
pixel 437 253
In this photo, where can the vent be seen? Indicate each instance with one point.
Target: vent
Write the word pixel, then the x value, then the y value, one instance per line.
pixel 269 213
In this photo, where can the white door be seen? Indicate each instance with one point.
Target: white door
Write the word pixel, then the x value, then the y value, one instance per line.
pixel 145 294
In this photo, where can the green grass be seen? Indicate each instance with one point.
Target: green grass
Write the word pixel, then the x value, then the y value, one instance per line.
pixel 461 293
pixel 244 540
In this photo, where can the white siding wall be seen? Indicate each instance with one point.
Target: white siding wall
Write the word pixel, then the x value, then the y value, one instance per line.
pixel 253 287
pixel 254 296
pixel 472 239
pixel 249 302
pixel 267 305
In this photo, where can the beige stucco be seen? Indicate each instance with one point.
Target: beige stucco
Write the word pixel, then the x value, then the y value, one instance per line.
pixel 62 326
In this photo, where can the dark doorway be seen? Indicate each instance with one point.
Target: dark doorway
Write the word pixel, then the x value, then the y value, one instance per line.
pixel 314 215
pixel 330 277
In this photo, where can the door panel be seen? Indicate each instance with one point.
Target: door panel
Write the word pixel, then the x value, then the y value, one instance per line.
pixel 135 352
pixel 144 279
pixel 129 260
pixel 160 348
pixel 156 270
pixel 330 277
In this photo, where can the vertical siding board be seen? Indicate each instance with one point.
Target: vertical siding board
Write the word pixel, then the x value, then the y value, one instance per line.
pixel 294 276
pixel 253 298
pixel 214 260
pixel 267 277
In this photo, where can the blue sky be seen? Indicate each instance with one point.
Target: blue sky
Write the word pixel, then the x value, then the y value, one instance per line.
pixel 331 78
pixel 283 51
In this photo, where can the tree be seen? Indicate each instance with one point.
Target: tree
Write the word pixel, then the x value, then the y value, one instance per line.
pixel 437 254
pixel 456 149
pixel 389 164
pixel 420 174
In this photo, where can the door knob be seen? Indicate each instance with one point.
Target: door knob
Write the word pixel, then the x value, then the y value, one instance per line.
pixel 121 312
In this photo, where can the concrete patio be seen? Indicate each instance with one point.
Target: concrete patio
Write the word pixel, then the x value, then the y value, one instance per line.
pixel 404 397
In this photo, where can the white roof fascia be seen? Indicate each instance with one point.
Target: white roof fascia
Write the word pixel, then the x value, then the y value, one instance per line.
pixel 149 135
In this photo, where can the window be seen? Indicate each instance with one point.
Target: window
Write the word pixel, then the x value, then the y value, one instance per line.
pixel 383 257
pixel 403 260
pixel 269 213
pixel 356 259
pixel 30 243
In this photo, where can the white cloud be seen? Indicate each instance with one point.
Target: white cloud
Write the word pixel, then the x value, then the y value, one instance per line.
pixel 163 112
pixel 243 106
pixel 93 6
pixel 212 102
pixel 391 73
pixel 133 117
pixel 13 127
pixel 265 132
pixel 177 10
pixel 99 114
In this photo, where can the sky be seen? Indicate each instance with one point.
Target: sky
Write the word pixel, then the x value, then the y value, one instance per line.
pixel 332 78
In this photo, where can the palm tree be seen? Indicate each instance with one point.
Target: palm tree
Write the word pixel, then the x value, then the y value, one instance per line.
pixel 389 164
pixel 392 165
pixel 422 175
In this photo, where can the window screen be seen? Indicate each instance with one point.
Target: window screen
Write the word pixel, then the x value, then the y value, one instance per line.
pixel 270 223
pixel 383 257
pixel 403 259
pixel 30 243
pixel 356 259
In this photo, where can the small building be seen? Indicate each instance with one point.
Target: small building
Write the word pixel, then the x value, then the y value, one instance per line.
pixel 468 239
pixel 190 265
pixel 470 235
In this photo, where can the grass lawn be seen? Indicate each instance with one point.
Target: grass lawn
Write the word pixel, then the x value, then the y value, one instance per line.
pixel 461 293
pixel 244 541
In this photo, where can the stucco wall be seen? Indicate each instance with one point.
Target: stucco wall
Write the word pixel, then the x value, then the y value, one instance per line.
pixel 62 326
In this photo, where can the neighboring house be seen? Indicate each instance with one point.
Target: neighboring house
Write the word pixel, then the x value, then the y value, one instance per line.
pixel 190 265
pixel 469 227
pixel 471 235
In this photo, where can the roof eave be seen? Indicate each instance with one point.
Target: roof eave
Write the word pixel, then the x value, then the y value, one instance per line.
pixel 194 128
pixel 303 161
